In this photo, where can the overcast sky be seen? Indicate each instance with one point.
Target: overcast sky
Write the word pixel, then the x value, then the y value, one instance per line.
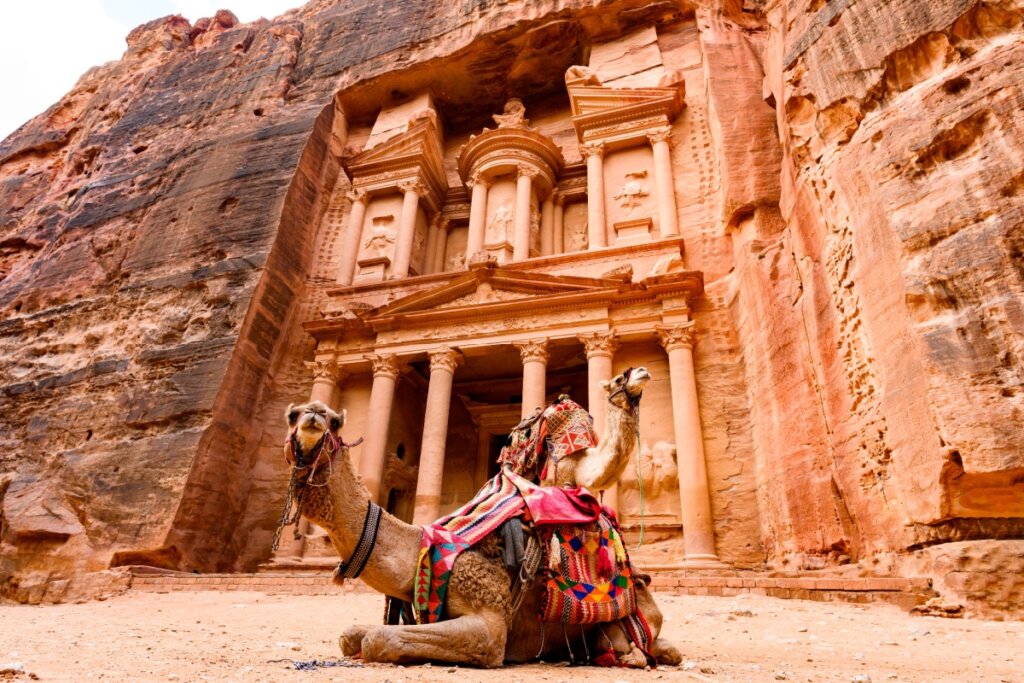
pixel 45 45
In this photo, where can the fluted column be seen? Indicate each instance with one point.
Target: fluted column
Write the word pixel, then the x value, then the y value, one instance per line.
pixel 600 349
pixel 477 214
pixel 559 223
pixel 382 395
pixel 521 229
pixel 547 226
pixel 597 232
pixel 429 249
pixel 435 432
pixel 695 500
pixel 406 227
pixel 440 245
pixel 535 369
pixel 661 145
pixel 350 245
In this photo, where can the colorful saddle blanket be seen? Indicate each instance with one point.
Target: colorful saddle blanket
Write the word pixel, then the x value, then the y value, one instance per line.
pixel 590 576
pixel 537 442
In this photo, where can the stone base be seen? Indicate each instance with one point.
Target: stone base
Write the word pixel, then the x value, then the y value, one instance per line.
pixel 372 270
pixel 703 562
pixel 632 232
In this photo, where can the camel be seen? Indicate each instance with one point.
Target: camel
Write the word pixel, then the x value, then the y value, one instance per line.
pixel 479 628
pixel 598 468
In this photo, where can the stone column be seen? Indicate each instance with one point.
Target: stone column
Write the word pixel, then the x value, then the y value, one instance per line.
pixel 435 433
pixel 429 255
pixel 440 246
pixel 698 529
pixel 600 348
pixel 559 223
pixel 406 227
pixel 547 226
pixel 597 232
pixel 382 396
pixel 350 245
pixel 535 369
pixel 521 228
pixel 477 214
pixel 667 218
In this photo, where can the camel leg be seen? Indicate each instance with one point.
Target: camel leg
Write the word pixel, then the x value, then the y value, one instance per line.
pixel 472 639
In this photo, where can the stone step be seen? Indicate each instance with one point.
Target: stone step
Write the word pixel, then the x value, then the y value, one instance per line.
pixel 311 580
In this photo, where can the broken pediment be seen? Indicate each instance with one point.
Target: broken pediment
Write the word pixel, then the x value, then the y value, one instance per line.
pixel 622 114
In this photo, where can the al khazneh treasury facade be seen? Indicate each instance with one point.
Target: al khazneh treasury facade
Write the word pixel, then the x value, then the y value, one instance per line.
pixel 481 273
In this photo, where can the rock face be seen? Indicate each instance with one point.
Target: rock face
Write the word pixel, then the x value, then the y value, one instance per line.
pixel 849 181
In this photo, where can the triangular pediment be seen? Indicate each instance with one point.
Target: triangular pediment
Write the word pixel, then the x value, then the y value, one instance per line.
pixel 489 285
pixel 600 111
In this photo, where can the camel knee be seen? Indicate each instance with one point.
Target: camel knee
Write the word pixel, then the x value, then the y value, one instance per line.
pixel 666 653
pixel 351 640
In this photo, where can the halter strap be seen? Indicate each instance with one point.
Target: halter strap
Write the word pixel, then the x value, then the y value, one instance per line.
pixel 367 540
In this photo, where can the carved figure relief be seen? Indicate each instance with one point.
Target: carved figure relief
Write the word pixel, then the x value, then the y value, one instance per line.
pixel 632 192
pixel 381 239
pixel 576 235
pixel 500 227
pixel 534 227
pixel 456 262
pixel 514 115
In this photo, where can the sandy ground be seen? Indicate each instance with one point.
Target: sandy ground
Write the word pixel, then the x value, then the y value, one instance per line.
pixel 245 636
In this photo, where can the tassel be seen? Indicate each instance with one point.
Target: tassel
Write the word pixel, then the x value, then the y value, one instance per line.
pixel 555 553
pixel 620 551
pixel 608 658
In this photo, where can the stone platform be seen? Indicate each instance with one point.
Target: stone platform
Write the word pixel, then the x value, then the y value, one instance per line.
pixel 904 592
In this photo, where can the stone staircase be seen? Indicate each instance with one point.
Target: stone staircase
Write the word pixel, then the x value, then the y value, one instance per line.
pixel 311 579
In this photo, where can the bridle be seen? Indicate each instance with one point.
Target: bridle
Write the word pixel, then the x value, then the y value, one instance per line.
pixel 632 401
pixel 331 445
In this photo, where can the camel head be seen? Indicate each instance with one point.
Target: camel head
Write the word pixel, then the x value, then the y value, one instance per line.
pixel 309 422
pixel 624 390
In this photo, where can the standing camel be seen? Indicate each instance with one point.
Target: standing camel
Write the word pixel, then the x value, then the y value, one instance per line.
pixel 478 629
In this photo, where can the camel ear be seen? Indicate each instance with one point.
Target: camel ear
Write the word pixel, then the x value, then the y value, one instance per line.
pixel 292 414
pixel 605 384
pixel 338 421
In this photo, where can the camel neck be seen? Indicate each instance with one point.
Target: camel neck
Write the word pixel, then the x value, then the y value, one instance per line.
pixel 340 509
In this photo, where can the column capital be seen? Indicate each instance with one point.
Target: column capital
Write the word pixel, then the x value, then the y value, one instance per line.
pixel 441 221
pixel 533 350
pixel 597 344
pixel 357 195
pixel 478 178
pixel 590 149
pixel 558 197
pixel 683 335
pixel 660 135
pixel 413 186
pixel 445 359
pixel 384 364
pixel 326 369
pixel 527 171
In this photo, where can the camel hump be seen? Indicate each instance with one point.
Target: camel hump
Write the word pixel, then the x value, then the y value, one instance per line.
pixel 548 435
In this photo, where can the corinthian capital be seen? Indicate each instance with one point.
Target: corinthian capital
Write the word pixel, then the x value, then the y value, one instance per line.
pixel 384 364
pixel 477 178
pixel 681 336
pixel 590 149
pixel 527 171
pixel 660 135
pixel 357 194
pixel 445 359
pixel 533 350
pixel 598 344
pixel 326 369
pixel 413 186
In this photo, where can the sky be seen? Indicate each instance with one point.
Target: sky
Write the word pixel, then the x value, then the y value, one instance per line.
pixel 45 45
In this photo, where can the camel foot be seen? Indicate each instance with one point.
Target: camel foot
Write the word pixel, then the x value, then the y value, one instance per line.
pixel 470 640
pixel 351 641
pixel 666 653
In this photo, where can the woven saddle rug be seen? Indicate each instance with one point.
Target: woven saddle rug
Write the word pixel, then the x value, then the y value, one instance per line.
pixel 589 577
pixel 540 441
